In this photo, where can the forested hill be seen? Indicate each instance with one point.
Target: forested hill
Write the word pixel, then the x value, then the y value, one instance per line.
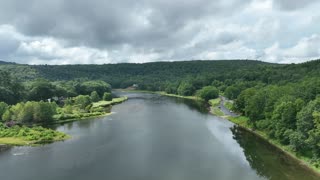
pixel 4 62
pixel 125 74
pixel 153 76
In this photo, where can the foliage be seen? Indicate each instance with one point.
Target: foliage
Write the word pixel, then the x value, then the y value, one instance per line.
pixel 108 103
pixel 208 92
pixel 3 108
pixel 94 96
pixel 185 89
pixel 11 91
pixel 31 112
pixel 88 87
pixel 33 135
pixel 107 96
pixel 82 101
pixel 215 102
pixel 228 105
pixel 281 112
pixel 41 89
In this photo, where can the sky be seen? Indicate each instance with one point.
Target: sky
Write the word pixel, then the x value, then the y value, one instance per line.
pixel 104 31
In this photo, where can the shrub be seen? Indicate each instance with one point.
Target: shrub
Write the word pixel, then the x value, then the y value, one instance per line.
pixel 208 92
pixel 94 96
pixel 3 108
pixel 82 100
pixel 107 96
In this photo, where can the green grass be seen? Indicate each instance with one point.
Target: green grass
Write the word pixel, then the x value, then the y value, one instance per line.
pixel 216 111
pixel 108 103
pixel 228 105
pixel 179 96
pixel 14 141
pixel 23 135
pixel 215 102
pixel 77 117
pixel 98 109
pixel 161 93
pixel 135 90
pixel 240 120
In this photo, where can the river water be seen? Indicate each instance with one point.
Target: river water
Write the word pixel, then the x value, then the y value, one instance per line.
pixel 152 137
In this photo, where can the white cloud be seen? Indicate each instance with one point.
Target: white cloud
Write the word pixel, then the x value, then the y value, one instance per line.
pixel 307 48
pixel 50 51
pixel 235 50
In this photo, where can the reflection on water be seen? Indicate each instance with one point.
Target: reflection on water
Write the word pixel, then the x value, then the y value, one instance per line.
pixel 193 105
pixel 220 129
pixel 4 148
pixel 267 160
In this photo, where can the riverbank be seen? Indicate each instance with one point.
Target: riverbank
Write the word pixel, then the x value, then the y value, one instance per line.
pixel 31 136
pixel 100 106
pixel 242 122
pixel 161 93
pixel 215 108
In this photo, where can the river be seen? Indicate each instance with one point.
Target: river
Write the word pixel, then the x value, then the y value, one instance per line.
pixel 152 137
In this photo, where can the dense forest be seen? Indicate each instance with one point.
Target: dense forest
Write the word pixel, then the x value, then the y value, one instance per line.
pixel 279 99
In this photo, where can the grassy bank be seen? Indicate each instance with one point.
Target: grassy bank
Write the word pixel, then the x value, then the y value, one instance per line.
pixel 22 135
pixel 135 90
pixel 228 105
pixel 97 109
pixel 108 103
pixel 178 96
pixel 32 136
pixel 214 107
pixel 161 93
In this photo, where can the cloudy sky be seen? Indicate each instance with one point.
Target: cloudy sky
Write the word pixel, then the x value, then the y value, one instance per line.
pixel 105 31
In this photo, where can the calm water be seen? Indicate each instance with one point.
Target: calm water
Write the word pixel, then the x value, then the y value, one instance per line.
pixel 152 137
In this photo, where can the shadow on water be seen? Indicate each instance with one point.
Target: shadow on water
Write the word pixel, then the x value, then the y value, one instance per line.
pixel 262 157
pixel 4 148
pixel 199 106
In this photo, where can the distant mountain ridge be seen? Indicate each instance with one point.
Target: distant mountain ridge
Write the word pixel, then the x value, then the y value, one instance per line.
pixel 5 62
pixel 154 74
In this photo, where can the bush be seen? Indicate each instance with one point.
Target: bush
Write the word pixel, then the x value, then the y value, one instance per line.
pixel 208 92
pixel 38 133
pixel 31 112
pixel 7 115
pixel 44 111
pixel 94 96
pixel 107 96
pixel 82 100
pixel 3 108
pixel 185 89
pixel 89 86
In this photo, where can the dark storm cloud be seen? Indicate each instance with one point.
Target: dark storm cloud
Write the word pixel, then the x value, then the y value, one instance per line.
pixel 105 31
pixel 100 23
